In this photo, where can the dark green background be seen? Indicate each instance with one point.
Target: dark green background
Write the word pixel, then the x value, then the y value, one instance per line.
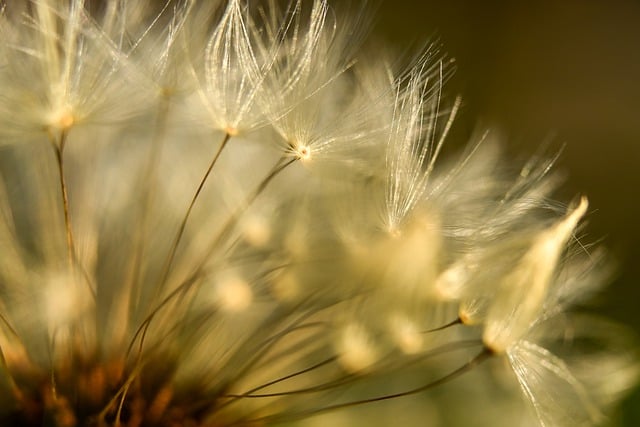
pixel 569 70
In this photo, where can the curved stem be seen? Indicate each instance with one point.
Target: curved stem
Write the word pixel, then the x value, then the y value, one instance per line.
pixel 176 242
pixel 455 322
pixel 281 165
pixel 233 219
pixel 72 257
pixel 58 147
pixel 149 182
pixel 484 354
pixel 352 377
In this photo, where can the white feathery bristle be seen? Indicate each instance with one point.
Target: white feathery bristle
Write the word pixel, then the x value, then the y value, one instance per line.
pixel 415 140
pixel 558 397
pixel 230 89
pixel 524 289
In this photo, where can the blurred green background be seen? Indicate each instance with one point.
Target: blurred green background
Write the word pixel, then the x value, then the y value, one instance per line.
pixel 565 70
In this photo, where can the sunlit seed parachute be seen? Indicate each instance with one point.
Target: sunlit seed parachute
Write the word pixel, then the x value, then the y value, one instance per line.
pixel 233 213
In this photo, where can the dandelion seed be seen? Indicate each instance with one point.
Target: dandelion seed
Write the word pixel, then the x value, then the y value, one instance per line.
pixel 526 287
pixel 64 71
pixel 230 92
pixel 414 142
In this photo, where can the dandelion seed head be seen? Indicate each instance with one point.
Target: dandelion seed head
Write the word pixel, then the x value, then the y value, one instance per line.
pixel 66 70
pixel 234 213
pixel 231 131
pixel 62 120
pixel 303 152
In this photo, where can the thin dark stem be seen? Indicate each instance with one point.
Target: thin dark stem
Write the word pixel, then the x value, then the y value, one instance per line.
pixel 8 325
pixel 119 395
pixel 72 257
pixel 149 183
pixel 281 165
pixel 58 147
pixel 233 219
pixel 475 361
pixel 251 392
pixel 3 361
pixel 351 377
pixel 15 390
pixel 457 321
pixel 176 242
pixel 262 350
